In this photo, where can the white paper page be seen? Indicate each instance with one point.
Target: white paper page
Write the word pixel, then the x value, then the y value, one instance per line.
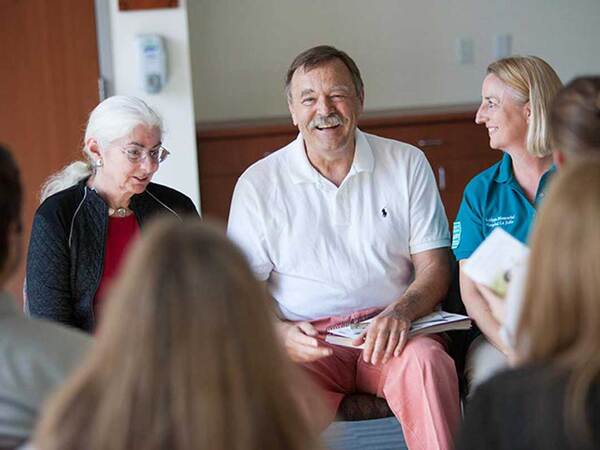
pixel 513 305
pixel 491 263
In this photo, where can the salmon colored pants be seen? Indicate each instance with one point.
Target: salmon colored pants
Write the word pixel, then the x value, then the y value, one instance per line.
pixel 420 385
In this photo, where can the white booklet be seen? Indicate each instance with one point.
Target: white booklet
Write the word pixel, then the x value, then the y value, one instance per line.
pixel 494 261
pixel 436 322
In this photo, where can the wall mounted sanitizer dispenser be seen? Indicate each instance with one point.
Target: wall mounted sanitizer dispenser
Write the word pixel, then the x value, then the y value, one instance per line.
pixel 152 62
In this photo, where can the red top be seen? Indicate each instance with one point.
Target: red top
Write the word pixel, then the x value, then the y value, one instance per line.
pixel 122 231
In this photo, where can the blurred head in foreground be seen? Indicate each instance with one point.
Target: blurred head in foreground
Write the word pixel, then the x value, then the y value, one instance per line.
pixel 575 121
pixel 186 357
pixel 560 320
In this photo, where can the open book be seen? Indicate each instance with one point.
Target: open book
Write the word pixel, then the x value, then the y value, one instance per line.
pixel 492 264
pixel 436 322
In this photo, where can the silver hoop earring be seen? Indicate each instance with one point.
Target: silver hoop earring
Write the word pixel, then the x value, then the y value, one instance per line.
pixel 98 163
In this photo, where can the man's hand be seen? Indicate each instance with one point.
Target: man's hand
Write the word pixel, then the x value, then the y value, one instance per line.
pixel 385 337
pixel 388 332
pixel 301 343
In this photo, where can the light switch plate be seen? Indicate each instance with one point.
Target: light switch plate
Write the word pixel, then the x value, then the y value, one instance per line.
pixel 503 45
pixel 465 50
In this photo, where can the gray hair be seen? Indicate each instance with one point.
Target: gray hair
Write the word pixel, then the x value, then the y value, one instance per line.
pixel 318 56
pixel 112 119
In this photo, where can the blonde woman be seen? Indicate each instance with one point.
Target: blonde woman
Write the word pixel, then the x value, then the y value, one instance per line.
pixel 186 358
pixel 553 400
pixel 516 97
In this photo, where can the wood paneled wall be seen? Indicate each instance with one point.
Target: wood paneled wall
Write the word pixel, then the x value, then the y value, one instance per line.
pixel 48 86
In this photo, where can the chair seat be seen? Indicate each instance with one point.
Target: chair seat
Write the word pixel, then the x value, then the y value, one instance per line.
pixel 363 407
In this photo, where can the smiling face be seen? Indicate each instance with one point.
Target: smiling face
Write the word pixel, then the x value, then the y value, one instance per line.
pixel 118 175
pixel 325 107
pixel 504 117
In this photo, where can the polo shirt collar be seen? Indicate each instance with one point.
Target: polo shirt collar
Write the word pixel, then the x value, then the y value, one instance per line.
pixel 302 171
pixel 363 154
pixel 550 171
pixel 543 182
pixel 505 172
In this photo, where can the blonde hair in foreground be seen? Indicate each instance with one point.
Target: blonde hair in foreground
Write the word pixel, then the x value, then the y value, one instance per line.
pixel 186 358
pixel 560 322
pixel 532 80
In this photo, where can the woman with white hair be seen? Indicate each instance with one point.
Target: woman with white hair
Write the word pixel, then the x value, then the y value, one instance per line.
pixel 91 210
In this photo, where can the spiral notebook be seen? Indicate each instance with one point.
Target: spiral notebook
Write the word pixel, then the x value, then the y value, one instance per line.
pixel 436 322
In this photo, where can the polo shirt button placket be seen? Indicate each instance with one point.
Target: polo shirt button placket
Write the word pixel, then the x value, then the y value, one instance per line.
pixel 342 210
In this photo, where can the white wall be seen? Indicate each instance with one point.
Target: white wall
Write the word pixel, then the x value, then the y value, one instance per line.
pixel 405 49
pixel 175 101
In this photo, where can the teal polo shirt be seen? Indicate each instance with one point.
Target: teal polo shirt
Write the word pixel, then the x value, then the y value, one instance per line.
pixel 493 199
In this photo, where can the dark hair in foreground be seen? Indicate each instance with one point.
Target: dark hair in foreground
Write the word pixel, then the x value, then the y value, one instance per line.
pixel 560 320
pixel 575 118
pixel 318 56
pixel 11 196
pixel 186 357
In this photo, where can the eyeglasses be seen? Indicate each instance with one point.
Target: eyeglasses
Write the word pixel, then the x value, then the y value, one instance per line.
pixel 137 154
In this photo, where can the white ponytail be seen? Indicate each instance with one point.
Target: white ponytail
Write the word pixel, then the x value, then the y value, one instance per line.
pixel 65 178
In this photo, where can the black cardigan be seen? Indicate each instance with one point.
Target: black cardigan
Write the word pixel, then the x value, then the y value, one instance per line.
pixel 66 249
pixel 523 409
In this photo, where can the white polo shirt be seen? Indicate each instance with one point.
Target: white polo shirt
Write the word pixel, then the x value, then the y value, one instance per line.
pixel 326 250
